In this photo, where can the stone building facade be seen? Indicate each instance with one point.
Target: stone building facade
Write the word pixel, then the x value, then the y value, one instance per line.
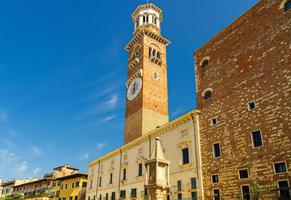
pixel 244 93
pixel 120 174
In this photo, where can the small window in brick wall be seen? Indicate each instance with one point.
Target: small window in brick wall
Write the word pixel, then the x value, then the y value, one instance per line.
pixel 243 174
pixel 213 121
pixel 205 63
pixel 207 94
pixel 251 105
pixel 215 178
pixel 257 139
pixel 280 167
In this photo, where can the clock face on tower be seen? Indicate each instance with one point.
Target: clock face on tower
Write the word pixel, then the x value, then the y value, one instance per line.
pixel 134 89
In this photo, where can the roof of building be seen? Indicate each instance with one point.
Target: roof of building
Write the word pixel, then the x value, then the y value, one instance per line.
pixel 154 133
pixel 72 176
pixel 33 182
pixel 66 166
pixel 147 6
pixel 6 183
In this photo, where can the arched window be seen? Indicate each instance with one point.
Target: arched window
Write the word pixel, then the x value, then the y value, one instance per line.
pixel 154 52
pixel 150 51
pixel 159 54
pixel 205 63
pixel 287 5
pixel 207 94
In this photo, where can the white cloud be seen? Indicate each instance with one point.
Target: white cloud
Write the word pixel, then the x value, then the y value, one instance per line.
pixel 7 156
pixel 101 146
pixel 105 106
pixel 36 171
pixel 83 157
pixel 21 167
pixel 111 103
pixel 106 119
pixel 3 116
pixel 35 150
pixel 9 143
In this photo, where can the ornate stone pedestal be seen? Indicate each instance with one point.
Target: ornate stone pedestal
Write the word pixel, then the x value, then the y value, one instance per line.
pixel 157 173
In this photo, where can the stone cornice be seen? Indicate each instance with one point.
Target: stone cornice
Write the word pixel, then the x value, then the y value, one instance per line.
pixel 152 134
pixel 140 33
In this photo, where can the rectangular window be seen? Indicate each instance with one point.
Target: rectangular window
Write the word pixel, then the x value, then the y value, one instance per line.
pixel 71 198
pixel 133 193
pixel 213 121
pixel 113 196
pixel 140 169
pixel 91 184
pixel 66 186
pixel 245 192
pixel 280 167
pixel 185 153
pixel 216 150
pixel 122 194
pixel 179 196
pixel 77 184
pixel 284 190
pixel 251 105
pixel 215 178
pixel 100 181
pixel 257 139
pixel 179 186
pixel 111 178
pixel 100 197
pixel 84 184
pixel 124 174
pixel 106 197
pixel 193 183
pixel 243 173
pixel 193 195
pixel 216 194
pixel 76 197
pixel 73 185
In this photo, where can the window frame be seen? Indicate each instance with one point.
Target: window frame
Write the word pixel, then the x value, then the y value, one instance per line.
pixel 214 193
pixel 211 121
pixel 202 62
pixel 286 166
pixel 241 189
pixel 252 139
pixel 277 183
pixel 212 175
pixel 188 153
pixel 140 170
pixel 248 105
pixel 213 150
pixel 238 171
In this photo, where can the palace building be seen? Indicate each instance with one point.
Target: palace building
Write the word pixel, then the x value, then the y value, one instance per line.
pixel 243 84
pixel 236 145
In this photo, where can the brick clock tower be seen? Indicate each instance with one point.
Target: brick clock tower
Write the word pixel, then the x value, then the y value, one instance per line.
pixel 147 88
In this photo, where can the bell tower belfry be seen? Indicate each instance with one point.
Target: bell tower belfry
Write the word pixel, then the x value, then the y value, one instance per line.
pixel 147 88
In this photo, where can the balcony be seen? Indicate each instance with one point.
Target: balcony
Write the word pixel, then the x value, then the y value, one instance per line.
pixel 156 60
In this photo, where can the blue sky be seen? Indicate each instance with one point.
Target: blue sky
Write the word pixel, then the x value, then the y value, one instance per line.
pixel 63 72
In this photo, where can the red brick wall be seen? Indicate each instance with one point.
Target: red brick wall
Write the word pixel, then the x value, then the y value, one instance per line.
pixel 249 60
